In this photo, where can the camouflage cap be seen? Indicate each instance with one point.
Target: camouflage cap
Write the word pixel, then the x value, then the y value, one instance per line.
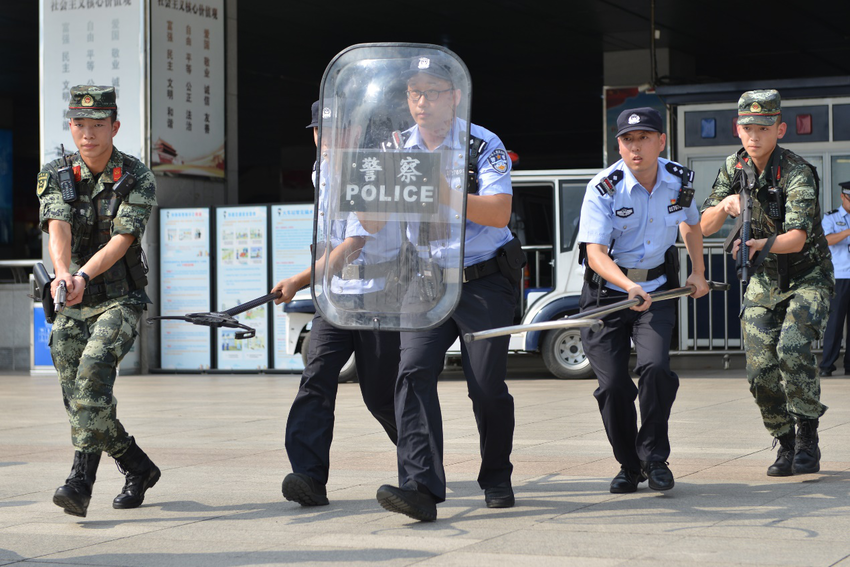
pixel 89 101
pixel 759 107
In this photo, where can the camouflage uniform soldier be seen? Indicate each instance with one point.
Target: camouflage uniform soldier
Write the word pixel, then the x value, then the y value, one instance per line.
pixel 787 300
pixel 98 233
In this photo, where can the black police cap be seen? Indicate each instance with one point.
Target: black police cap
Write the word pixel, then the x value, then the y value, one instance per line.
pixel 645 118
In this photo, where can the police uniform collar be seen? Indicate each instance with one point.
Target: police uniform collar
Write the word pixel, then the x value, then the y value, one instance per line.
pixel 415 138
pixel 663 176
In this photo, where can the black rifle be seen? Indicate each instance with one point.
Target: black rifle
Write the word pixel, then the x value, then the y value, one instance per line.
pixel 747 178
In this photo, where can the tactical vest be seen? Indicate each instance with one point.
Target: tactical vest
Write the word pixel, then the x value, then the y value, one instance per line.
pixel 763 226
pixel 93 232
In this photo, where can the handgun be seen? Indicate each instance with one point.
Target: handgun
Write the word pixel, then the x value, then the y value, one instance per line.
pixel 59 297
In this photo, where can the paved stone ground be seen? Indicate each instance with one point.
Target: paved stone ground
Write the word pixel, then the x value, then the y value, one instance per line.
pixel 219 442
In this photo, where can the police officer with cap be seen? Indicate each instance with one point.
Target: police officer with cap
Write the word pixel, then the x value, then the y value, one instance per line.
pixel 787 297
pixel 309 427
pixel 95 210
pixel 488 299
pixel 836 227
pixel 630 218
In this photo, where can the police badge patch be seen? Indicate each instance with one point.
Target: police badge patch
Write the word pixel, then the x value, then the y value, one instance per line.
pixel 498 158
pixel 42 182
pixel 624 212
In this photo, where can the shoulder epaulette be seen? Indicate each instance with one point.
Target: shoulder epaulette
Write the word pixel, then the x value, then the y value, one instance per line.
pixel 608 184
pixel 679 170
pixel 833 211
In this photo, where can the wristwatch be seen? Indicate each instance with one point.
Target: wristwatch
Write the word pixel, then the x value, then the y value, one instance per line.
pixel 83 275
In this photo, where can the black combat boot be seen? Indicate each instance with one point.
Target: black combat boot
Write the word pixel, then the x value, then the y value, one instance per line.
pixel 74 496
pixel 807 453
pixel 784 456
pixel 141 474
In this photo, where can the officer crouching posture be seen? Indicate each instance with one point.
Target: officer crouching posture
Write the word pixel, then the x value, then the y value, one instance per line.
pixel 95 210
pixel 786 301
pixel 630 218
pixel 836 227
pixel 488 299
pixel 309 428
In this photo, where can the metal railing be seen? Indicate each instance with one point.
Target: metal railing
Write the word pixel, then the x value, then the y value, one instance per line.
pixel 21 269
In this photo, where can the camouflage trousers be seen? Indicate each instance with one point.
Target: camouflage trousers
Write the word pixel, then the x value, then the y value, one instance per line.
pixel 781 368
pixel 86 354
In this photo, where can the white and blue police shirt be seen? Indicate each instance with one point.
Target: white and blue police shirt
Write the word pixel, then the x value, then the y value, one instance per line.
pixel 641 224
pixel 336 233
pixel 380 248
pixel 494 166
pixel 832 223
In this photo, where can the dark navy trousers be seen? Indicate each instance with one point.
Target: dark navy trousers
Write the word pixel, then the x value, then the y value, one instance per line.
pixel 609 350
pixel 485 303
pixel 309 428
pixel 839 309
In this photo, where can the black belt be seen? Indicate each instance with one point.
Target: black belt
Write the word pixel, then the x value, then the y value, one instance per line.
pixel 480 270
pixel 643 275
pixel 634 274
pixel 366 271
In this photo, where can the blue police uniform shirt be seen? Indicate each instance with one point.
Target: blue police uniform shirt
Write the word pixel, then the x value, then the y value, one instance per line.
pixel 480 242
pixel 641 224
pixel 833 223
pixel 379 247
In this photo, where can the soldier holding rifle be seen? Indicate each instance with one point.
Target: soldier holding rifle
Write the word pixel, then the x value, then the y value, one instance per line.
pixel 790 273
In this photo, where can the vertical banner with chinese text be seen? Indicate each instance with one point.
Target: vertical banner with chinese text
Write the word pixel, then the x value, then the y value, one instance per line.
pixel 92 42
pixel 292 234
pixel 187 87
pixel 185 271
pixel 242 274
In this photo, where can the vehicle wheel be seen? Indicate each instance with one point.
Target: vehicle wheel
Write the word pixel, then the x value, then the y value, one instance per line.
pixel 564 355
pixel 349 369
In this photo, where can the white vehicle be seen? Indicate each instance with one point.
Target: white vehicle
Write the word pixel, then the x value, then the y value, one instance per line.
pixel 546 208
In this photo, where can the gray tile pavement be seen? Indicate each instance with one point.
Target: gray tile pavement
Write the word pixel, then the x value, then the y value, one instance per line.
pixel 219 442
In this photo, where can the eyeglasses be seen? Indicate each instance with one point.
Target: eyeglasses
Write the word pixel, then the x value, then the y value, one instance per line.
pixel 430 95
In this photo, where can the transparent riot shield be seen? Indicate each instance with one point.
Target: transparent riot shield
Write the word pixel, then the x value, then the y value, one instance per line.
pixel 392 174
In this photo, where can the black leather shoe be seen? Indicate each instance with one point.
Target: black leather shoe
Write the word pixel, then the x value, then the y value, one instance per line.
pixel 658 474
pixel 301 488
pixel 626 481
pixel 500 496
pixel 824 372
pixel 411 503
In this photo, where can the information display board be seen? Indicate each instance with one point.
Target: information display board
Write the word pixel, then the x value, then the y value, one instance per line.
pixel 187 87
pixel 292 234
pixel 92 43
pixel 242 275
pixel 185 275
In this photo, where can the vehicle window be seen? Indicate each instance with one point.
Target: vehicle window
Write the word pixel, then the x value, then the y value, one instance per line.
pixel 533 220
pixel 572 195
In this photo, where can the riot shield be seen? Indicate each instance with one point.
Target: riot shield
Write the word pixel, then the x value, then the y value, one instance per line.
pixel 391 187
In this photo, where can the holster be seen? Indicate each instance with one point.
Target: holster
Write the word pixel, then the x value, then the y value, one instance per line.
pixel 42 290
pixel 671 265
pixel 511 260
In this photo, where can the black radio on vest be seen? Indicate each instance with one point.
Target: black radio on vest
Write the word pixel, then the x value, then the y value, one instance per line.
pixel 66 180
